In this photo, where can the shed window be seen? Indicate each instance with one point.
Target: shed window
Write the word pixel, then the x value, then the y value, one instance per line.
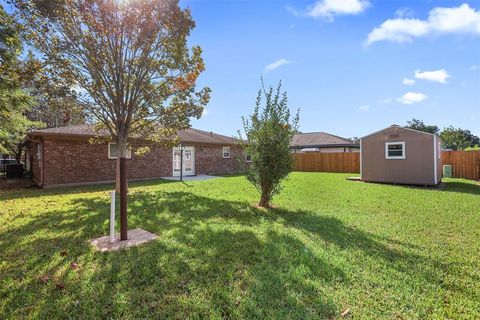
pixel 226 152
pixel 248 158
pixel 112 151
pixel 395 150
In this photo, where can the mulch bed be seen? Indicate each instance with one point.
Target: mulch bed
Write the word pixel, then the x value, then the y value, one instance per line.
pixel 11 184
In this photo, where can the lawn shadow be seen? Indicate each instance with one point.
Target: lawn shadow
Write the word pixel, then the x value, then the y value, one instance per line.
pixel 195 272
pixel 29 193
pixel 211 260
pixel 467 186
pixel 471 187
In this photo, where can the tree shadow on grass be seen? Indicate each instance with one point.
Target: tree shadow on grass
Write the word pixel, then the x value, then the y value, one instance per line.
pixel 213 259
pixel 38 193
pixel 472 187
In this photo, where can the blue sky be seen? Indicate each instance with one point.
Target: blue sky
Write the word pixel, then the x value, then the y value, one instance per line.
pixel 421 62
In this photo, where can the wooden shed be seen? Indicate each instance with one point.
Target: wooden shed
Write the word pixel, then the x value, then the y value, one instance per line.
pixel 400 155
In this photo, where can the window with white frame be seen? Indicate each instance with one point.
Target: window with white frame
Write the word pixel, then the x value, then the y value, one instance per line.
pixel 226 152
pixel 248 158
pixel 395 150
pixel 112 151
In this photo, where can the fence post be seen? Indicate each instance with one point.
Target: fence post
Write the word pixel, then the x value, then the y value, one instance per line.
pixel 112 216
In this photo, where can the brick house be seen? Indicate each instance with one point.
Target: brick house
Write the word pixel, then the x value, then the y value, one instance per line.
pixel 65 156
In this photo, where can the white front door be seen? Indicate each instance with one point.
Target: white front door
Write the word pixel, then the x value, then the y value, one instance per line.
pixel 188 166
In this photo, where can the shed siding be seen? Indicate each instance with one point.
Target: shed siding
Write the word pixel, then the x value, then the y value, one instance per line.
pixel 417 168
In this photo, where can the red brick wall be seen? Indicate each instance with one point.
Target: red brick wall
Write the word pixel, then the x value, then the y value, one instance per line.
pixel 209 159
pixel 69 161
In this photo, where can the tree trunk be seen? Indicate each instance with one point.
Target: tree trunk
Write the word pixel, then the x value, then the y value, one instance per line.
pixel 123 199
pixel 264 200
pixel 122 156
pixel 17 152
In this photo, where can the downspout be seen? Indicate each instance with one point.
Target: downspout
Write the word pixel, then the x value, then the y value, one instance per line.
pixel 42 168
pixel 361 177
pixel 435 178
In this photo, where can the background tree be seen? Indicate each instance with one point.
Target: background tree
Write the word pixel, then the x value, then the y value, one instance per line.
pixel 14 101
pixel 420 126
pixel 458 139
pixel 130 60
pixel 269 131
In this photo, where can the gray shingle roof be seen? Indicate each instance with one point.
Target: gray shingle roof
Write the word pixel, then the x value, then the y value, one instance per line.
pixel 319 139
pixel 88 130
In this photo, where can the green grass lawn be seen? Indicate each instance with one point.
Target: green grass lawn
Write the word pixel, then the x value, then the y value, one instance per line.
pixel 390 252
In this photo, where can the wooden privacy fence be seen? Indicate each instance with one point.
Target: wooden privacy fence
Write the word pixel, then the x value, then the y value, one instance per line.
pixel 348 162
pixel 465 164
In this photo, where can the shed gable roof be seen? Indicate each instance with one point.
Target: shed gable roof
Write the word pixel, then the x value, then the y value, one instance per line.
pixel 88 130
pixel 395 126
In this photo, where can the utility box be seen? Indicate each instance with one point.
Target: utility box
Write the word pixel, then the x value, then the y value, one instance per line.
pixel 447 171
pixel 14 170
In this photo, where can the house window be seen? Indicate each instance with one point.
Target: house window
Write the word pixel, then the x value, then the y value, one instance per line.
pixel 248 158
pixel 226 152
pixel 395 150
pixel 112 151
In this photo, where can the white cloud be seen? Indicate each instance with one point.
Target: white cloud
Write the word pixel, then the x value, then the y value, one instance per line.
pixel 462 19
pixel 408 82
pixel 277 64
pixel 364 108
pixel 440 76
pixel 329 9
pixel 474 67
pixel 385 101
pixel 412 97
pixel 205 112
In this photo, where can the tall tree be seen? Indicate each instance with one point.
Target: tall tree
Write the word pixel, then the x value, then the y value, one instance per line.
pixel 14 101
pixel 458 139
pixel 420 126
pixel 130 59
pixel 269 131
pixel 56 104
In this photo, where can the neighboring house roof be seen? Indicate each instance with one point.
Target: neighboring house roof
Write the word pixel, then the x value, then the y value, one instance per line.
pixel 88 130
pixel 398 127
pixel 320 139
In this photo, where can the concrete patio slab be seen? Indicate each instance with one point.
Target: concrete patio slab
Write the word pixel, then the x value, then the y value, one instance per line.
pixel 135 237
pixel 192 178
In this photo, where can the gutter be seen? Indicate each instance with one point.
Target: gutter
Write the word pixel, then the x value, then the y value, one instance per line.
pixel 342 145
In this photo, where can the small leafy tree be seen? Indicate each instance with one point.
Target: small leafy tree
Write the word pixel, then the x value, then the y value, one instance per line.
pixel 269 131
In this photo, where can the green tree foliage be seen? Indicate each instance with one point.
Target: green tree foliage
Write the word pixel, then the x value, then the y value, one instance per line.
pixel 420 126
pixel 130 60
pixel 56 104
pixel 474 148
pixel 14 101
pixel 269 131
pixel 458 139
